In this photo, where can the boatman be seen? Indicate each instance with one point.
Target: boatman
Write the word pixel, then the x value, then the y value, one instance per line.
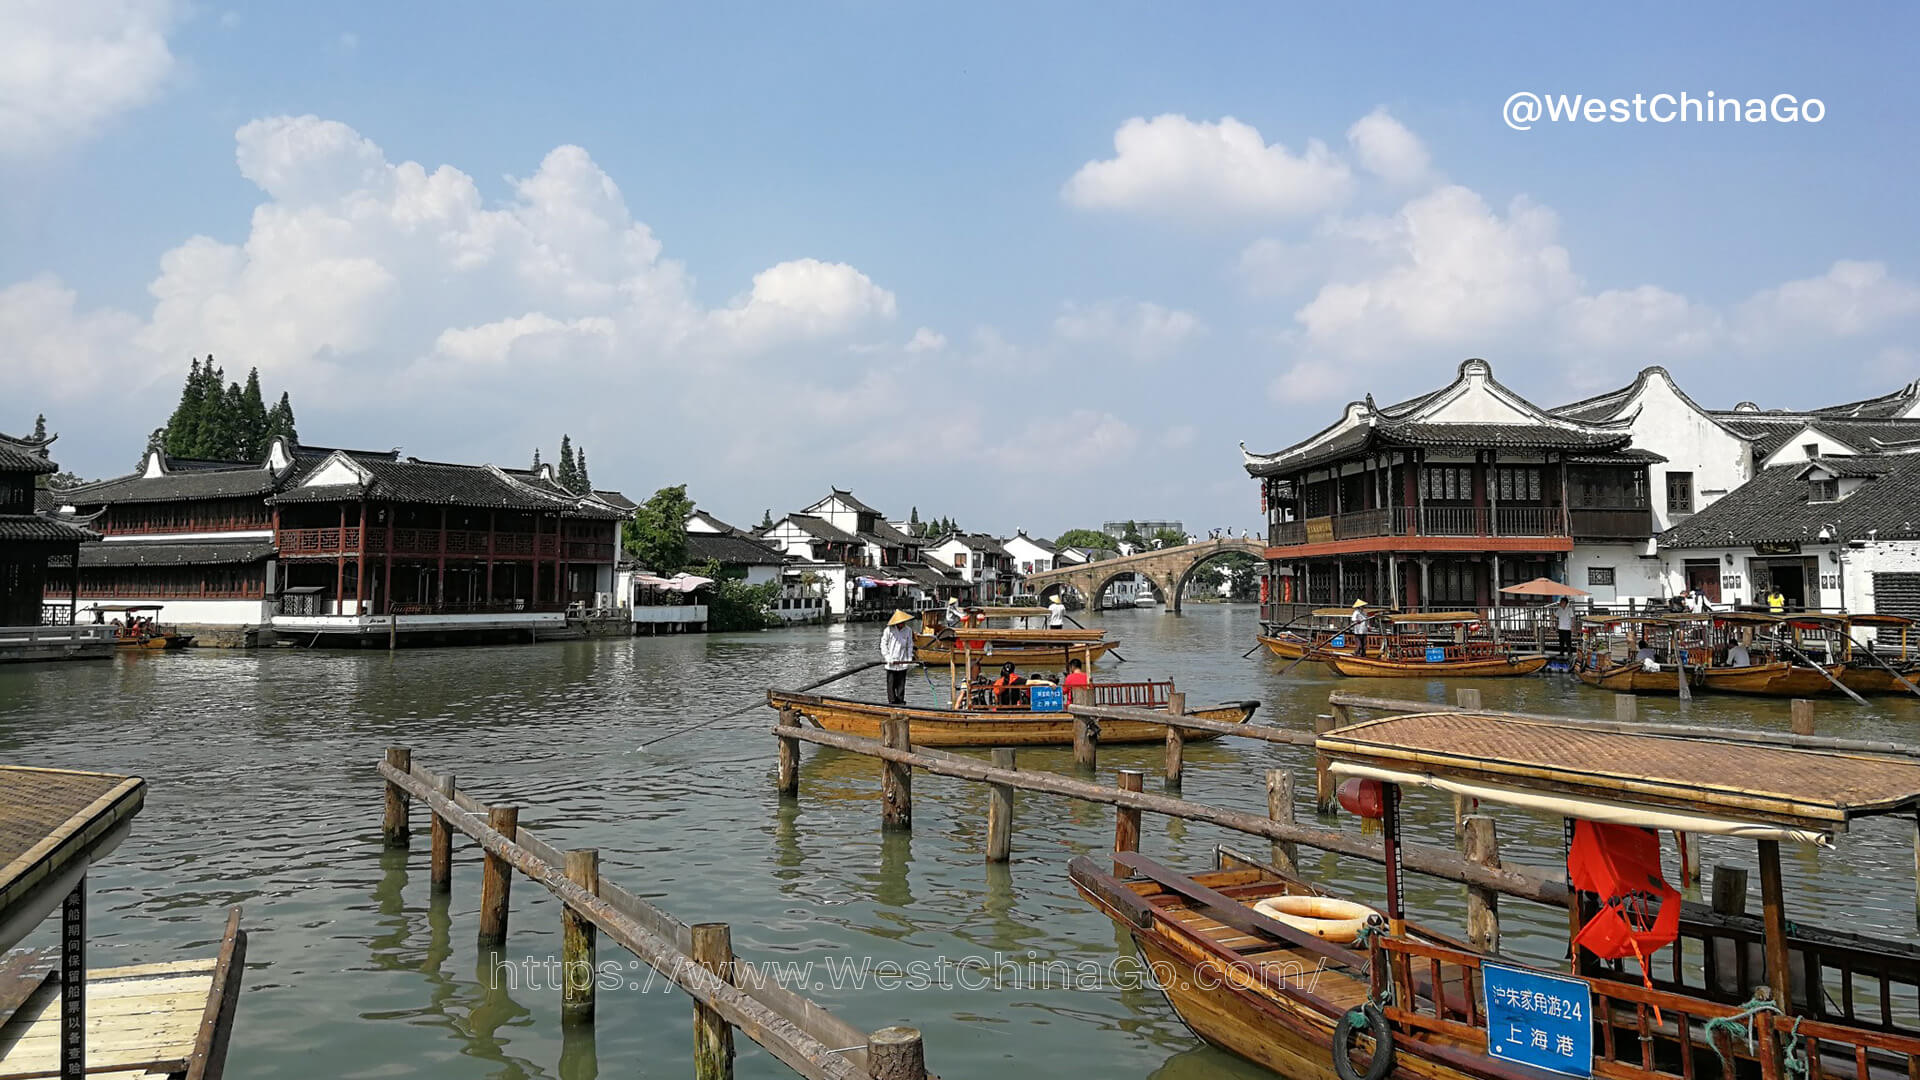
pixel 954 616
pixel 1357 630
pixel 1563 614
pixel 1056 613
pixel 896 649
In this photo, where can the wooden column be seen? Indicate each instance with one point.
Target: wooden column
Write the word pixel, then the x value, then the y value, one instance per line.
pixel 1625 708
pixel 1285 856
pixel 712 948
pixel 895 1053
pixel 440 585
pixel 1730 890
pixel 360 565
pixel 533 595
pixel 896 777
pixel 1801 711
pixel 1086 733
pixel 1126 820
pixel 1176 741
pixel 577 939
pixel 496 881
pixel 340 565
pixel 1000 811
pixel 490 515
pixel 1390 845
pixel 386 577
pixel 787 782
pixel 440 862
pixel 1483 905
pixel 394 830
pixel 1774 918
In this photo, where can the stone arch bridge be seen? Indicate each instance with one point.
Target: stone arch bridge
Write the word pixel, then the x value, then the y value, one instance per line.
pixel 1167 568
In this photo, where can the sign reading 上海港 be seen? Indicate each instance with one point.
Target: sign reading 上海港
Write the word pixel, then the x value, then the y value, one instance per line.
pixel 1046 699
pixel 1541 1020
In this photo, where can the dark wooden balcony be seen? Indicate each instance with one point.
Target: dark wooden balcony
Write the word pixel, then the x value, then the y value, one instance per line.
pixel 1612 523
pixel 1436 521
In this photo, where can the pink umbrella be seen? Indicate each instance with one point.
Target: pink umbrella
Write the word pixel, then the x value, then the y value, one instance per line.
pixel 1544 587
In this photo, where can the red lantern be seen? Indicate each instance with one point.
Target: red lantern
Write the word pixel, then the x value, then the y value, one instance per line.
pixel 1363 798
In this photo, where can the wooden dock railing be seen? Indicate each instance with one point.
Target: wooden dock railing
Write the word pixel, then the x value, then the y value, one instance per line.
pixel 699 958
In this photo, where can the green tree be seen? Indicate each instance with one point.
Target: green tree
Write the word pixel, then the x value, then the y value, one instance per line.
pixel 536 459
pixel 280 420
pixel 914 527
pixel 766 518
pixel 582 484
pixel 1086 538
pixel 1168 537
pixel 182 432
pixel 564 471
pixel 657 535
pixel 40 427
pixel 154 442
pixel 252 419
pixel 732 604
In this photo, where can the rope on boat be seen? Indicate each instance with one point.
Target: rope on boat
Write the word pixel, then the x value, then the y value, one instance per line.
pixel 1744 1023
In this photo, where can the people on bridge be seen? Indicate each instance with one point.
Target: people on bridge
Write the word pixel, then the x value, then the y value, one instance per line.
pixel 896 649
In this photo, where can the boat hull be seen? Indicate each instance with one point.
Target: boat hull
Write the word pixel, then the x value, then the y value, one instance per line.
pixel 1489 667
pixel 1008 727
pixel 155 642
pixel 1290 647
pixel 1631 678
pixel 1801 681
pixel 1756 679
pixel 1876 680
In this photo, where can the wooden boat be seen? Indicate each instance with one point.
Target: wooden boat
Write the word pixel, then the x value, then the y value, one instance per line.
pixel 996 726
pixel 155 636
pixel 1291 642
pixel 1631 678
pixel 1436 645
pixel 1277 994
pixel 1869 670
pixel 1752 679
pixel 1028 646
pixel 1610 647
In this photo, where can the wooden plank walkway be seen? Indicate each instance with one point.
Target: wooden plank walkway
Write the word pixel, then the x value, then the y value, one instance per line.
pixel 140 1020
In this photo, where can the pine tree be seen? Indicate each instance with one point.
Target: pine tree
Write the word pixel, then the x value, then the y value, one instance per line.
pixel 565 473
pixel 536 459
pixel 582 483
pixel 766 518
pixel 183 427
pixel 40 428
pixel 253 418
pixel 233 424
pixel 154 442
pixel 913 523
pixel 280 420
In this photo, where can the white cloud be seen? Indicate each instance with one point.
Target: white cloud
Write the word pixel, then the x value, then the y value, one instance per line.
pixel 1850 299
pixel 1179 436
pixel 1384 147
pixel 804 299
pixel 1137 329
pixel 1458 272
pixel 67 68
pixel 1176 167
pixel 1647 319
pixel 52 344
pixel 925 340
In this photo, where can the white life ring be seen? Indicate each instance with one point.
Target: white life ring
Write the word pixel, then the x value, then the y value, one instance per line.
pixel 1324 917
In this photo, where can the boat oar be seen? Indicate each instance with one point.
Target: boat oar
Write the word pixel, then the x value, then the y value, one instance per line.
pixel 1795 650
pixel 1115 653
pixel 1258 645
pixel 760 703
pixel 1301 659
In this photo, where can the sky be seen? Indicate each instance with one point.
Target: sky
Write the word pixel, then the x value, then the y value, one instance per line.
pixel 1026 266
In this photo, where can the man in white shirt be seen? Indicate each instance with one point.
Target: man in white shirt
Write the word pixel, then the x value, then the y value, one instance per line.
pixel 1056 613
pixel 1357 629
pixel 1563 618
pixel 896 649
pixel 1737 656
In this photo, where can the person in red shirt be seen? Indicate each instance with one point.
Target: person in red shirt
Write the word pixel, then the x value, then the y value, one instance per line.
pixel 1076 676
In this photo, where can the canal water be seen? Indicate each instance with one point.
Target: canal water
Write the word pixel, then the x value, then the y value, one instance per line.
pixel 264 793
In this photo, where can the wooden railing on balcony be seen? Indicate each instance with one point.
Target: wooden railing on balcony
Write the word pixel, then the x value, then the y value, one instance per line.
pixel 109 527
pixel 1285 533
pixel 1423 521
pixel 333 541
pixel 464 543
pixel 1612 523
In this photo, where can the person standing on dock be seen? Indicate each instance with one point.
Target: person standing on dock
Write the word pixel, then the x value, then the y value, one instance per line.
pixel 1563 616
pixel 896 649
pixel 1056 613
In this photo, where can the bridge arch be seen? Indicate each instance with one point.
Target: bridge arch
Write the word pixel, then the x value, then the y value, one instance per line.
pixel 1168 569
pixel 1180 587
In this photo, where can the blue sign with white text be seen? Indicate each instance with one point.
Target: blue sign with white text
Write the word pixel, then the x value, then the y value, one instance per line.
pixel 1545 1021
pixel 1435 654
pixel 1046 699
pixel 1339 642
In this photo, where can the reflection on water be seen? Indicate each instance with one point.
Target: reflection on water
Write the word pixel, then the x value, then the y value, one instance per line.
pixel 264 793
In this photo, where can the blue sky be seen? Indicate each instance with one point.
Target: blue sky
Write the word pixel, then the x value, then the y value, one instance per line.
pixel 898 248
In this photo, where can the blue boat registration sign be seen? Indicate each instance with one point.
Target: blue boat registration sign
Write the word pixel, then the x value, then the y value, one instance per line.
pixel 1047 699
pixel 1436 654
pixel 1545 1021
pixel 1339 642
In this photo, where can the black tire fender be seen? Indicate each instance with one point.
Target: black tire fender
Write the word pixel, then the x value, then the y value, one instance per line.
pixel 1376 1025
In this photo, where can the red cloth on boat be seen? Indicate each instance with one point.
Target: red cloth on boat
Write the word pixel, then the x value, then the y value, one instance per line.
pixel 1621 864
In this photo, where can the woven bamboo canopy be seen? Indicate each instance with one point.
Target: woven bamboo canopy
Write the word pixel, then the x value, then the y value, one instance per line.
pixel 51 821
pixel 1740 789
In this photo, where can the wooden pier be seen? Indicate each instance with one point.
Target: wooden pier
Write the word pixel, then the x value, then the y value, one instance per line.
pixel 728 995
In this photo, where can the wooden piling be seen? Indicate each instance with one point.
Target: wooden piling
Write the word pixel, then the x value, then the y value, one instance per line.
pixel 1086 742
pixel 1000 811
pixel 1176 741
pixel 895 1053
pixel 1625 708
pixel 1773 914
pixel 788 781
pixel 1730 890
pixel 1689 858
pixel 1323 788
pixel 896 777
pixel 496 880
pixel 1802 713
pixel 577 939
pixel 1126 819
pixel 1280 808
pixel 394 830
pixel 712 948
pixel 1482 845
pixel 440 861
pixel 1468 698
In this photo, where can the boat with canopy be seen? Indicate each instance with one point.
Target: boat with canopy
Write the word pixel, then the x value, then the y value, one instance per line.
pixel 138 626
pixel 1632 654
pixel 1029 644
pixel 1437 645
pixel 1325 634
pixel 1655 988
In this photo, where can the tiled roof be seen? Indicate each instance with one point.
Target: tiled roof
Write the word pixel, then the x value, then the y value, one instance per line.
pixel 1627 455
pixel 1043 545
pixel 890 536
pixel 207 553
pixel 616 500
pixel 1774 506
pixel 24 455
pixel 851 503
pixel 38 528
pixel 731 549
pixel 929 576
pixel 1422 434
pixel 435 484
pixel 821 529
pixel 231 482
pixel 1884 405
pixel 1771 431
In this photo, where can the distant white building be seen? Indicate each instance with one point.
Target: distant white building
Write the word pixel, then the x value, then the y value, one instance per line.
pixel 1030 556
pixel 980 561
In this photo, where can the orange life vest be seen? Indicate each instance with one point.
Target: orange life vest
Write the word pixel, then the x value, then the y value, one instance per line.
pixel 1621 865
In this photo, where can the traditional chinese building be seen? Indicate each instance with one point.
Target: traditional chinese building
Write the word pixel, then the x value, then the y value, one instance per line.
pixel 37 551
pixel 330 542
pixel 1441 500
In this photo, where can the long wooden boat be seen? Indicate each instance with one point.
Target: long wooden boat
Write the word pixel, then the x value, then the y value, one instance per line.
pixel 1752 679
pixel 990 727
pixel 1631 678
pixel 1025 654
pixel 155 636
pixel 1289 994
pixel 1288 645
pixel 1477 667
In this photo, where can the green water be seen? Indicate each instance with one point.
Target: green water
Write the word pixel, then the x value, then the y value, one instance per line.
pixel 264 793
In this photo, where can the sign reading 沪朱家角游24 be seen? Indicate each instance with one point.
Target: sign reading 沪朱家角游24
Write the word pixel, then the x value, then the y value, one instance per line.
pixel 1436 654
pixel 1541 1020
